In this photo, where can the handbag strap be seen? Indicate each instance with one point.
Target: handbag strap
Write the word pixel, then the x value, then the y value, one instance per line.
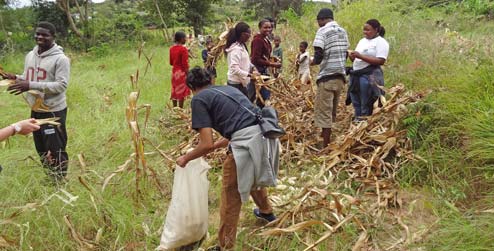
pixel 258 116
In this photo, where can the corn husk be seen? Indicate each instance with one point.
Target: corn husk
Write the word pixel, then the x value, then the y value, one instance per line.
pixel 48 121
pixel 6 82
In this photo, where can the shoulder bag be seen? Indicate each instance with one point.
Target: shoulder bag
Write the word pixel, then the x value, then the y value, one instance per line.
pixel 267 119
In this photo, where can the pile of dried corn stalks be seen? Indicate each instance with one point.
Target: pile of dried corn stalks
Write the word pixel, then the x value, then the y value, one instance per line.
pixel 219 48
pixel 368 154
pixel 363 158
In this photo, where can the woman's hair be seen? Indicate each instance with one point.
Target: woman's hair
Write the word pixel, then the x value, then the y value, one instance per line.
pixel 262 22
pixel 377 26
pixel 198 77
pixel 179 35
pixel 235 33
pixel 272 21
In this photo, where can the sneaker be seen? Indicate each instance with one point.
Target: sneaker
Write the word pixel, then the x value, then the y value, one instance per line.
pixel 214 248
pixel 195 245
pixel 266 217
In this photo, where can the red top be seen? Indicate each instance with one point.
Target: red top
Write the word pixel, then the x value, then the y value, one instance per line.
pixel 260 51
pixel 179 57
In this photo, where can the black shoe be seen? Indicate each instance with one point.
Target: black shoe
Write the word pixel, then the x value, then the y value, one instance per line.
pixel 214 248
pixel 266 217
pixel 193 246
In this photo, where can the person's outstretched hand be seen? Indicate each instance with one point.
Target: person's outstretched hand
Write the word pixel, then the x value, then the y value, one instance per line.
pixel 27 126
pixel 19 87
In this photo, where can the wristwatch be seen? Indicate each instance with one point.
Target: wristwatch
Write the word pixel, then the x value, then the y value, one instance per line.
pixel 17 128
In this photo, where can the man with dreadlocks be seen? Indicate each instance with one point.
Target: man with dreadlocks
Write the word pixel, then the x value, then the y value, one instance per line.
pixel 46 72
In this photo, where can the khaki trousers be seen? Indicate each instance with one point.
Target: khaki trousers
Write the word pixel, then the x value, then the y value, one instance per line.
pixel 326 104
pixel 230 204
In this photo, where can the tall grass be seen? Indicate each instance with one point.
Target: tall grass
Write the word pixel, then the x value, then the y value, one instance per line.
pixel 448 54
pixel 97 129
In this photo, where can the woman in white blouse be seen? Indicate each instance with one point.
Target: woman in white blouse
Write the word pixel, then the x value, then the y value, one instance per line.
pixel 366 75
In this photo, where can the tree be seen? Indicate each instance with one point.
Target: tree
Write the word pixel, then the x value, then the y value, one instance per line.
pixel 197 13
pixel 158 9
pixel 3 4
pixel 272 8
pixel 48 11
pixel 82 13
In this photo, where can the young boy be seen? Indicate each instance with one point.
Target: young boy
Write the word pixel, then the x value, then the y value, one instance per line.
pixel 47 72
pixel 205 52
pixel 277 54
pixel 303 62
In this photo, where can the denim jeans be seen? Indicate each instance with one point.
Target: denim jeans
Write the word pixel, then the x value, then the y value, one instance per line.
pixel 361 99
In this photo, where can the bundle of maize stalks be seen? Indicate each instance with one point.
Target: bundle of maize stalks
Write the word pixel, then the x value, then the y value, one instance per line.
pixel 38 105
pixel 6 82
pixel 219 48
pixel 48 121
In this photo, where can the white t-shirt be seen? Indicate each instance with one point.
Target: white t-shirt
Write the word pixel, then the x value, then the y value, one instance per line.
pixel 304 62
pixel 377 47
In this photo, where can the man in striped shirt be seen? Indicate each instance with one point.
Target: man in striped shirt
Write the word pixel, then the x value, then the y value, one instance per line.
pixel 330 47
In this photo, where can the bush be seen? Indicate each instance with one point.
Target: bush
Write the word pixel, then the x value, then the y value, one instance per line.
pixel 121 26
pixel 101 50
pixel 479 7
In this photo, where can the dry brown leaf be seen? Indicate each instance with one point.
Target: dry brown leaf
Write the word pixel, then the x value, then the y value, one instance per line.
pixel 297 227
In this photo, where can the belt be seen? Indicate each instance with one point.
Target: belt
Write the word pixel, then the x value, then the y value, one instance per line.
pixel 331 77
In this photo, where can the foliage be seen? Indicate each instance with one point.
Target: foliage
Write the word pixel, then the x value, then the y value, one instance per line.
pixel 479 7
pixel 101 50
pixel 16 29
pixel 269 8
pixel 96 97
pixel 168 9
pixel 6 2
pixel 418 122
pixel 195 13
pixel 468 232
pixel 48 11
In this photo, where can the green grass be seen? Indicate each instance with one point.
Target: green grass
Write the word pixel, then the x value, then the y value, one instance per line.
pixel 97 129
pixel 446 53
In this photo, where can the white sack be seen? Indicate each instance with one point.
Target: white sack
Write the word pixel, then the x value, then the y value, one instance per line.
pixel 187 217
